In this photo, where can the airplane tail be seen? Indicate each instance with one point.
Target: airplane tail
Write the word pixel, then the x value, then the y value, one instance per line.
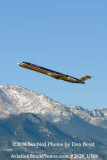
pixel 85 77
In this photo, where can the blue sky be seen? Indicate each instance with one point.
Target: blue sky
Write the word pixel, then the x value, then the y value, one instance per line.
pixel 66 36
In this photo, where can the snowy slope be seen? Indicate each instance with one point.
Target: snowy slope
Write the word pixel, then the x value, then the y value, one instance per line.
pixel 15 100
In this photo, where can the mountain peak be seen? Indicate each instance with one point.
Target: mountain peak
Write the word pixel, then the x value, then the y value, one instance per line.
pixel 30 115
pixel 16 100
pixel 20 100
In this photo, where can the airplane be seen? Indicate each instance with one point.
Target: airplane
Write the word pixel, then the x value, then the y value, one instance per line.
pixel 54 74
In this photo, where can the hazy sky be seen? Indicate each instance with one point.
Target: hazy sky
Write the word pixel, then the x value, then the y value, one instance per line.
pixel 66 36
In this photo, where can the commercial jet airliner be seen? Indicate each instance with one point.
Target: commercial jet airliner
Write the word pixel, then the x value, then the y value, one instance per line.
pixel 54 74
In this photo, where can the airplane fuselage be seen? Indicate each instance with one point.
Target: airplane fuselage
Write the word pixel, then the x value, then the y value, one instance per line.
pixel 53 74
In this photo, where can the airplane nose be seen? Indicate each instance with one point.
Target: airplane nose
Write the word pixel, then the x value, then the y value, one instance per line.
pixel 19 64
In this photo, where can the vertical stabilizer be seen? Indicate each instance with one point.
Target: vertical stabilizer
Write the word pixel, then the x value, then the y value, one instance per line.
pixel 85 77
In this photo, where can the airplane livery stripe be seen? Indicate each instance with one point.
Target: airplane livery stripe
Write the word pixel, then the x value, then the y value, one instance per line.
pixel 37 68
pixel 49 70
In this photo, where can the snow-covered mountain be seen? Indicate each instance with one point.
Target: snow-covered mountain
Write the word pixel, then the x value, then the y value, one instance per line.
pixel 96 117
pixel 30 116
pixel 16 100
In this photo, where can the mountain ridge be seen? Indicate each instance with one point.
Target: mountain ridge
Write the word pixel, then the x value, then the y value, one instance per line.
pixel 24 115
pixel 17 99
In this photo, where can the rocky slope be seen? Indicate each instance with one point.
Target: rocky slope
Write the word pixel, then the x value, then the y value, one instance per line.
pixel 96 117
pixel 15 100
pixel 25 114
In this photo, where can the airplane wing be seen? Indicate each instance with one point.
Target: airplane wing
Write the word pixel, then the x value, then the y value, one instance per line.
pixel 57 76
